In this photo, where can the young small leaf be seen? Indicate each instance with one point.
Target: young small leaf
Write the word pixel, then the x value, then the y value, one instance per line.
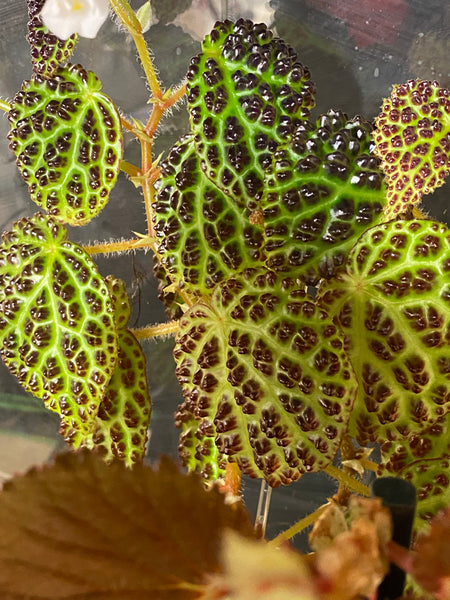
pixel 67 138
pixel 167 293
pixel 57 333
pixel 267 369
pixel 393 304
pixel 144 15
pixel 413 140
pixel 120 301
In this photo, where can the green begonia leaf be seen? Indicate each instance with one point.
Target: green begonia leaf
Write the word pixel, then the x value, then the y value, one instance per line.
pixel 265 374
pixel 246 94
pixel 67 138
pixel 413 140
pixel 256 182
pixel 121 427
pixel 57 332
pixel 47 51
pixel 205 236
pixel 393 303
pixel 324 191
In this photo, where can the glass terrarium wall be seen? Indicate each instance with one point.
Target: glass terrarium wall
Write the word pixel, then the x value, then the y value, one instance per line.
pixel 355 49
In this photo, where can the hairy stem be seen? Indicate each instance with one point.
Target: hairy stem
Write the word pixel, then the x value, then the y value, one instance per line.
pixel 152 331
pixel 147 174
pixel 160 107
pixel 122 246
pixel 147 186
pixel 299 526
pixel 129 169
pixel 147 64
pixel 233 480
pixel 126 14
pixel 369 464
pixel 347 480
pixel 126 124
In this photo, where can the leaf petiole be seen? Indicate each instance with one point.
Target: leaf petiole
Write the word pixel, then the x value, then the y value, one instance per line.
pixel 159 330
pixel 298 527
pixel 126 14
pixel 347 480
pixel 121 246
pixel 5 105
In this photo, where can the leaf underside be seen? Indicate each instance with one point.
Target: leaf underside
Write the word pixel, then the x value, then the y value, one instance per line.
pixel 265 377
pixel 393 303
pixel 84 529
pixel 57 331
pixel 67 138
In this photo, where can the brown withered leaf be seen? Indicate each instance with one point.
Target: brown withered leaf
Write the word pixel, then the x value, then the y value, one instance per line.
pixel 431 564
pixel 351 565
pixel 330 524
pixel 354 563
pixel 84 529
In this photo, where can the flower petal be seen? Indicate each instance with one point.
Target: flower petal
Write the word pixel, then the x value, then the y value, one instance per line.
pixel 66 17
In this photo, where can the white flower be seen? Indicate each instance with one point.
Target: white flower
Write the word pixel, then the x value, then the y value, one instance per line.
pixel 66 17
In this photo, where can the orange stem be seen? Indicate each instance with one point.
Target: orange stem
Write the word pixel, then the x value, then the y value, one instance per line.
pixel 233 479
